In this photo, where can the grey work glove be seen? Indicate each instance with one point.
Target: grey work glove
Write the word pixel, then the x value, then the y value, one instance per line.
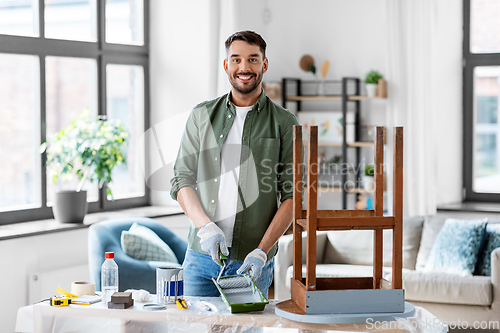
pixel 253 264
pixel 213 241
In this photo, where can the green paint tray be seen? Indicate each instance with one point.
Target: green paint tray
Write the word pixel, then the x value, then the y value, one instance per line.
pixel 240 293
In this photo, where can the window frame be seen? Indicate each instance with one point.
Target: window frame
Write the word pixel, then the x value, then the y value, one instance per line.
pixel 103 53
pixel 470 62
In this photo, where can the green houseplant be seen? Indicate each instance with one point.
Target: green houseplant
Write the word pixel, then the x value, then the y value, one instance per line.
pixel 368 178
pixel 369 170
pixel 89 148
pixel 371 81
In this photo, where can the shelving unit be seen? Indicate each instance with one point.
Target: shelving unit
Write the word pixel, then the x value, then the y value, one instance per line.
pixel 347 91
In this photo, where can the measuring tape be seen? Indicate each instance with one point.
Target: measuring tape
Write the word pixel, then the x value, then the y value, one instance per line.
pixel 60 301
pixel 64 299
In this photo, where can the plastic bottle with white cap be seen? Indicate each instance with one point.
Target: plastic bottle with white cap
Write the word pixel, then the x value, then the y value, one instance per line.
pixel 109 277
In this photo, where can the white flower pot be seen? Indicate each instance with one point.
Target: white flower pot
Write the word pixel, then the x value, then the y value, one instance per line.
pixel 371 89
pixel 369 183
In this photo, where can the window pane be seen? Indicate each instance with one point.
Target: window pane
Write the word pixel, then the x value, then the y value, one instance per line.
pixel 486 130
pixel 71 19
pixel 71 88
pixel 19 132
pixel 124 21
pixel 485 26
pixel 19 17
pixel 125 101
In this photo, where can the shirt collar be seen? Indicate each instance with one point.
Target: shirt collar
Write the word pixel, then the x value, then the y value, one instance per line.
pixel 259 105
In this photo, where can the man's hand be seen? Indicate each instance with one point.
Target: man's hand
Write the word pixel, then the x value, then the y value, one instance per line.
pixel 213 241
pixel 253 264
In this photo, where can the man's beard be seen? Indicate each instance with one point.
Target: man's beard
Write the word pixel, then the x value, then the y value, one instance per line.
pixel 245 89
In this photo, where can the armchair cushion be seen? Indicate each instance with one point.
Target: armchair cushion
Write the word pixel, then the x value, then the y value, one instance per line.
pixel 431 228
pixel 446 288
pixel 455 250
pixel 483 266
pixel 142 243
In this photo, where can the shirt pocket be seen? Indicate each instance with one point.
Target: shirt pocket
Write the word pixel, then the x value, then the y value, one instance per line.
pixel 267 152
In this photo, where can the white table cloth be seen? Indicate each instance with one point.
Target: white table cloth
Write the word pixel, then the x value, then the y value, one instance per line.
pixel 97 318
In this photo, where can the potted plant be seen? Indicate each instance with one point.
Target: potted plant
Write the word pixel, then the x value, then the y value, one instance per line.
pixel 90 147
pixel 368 178
pixel 371 82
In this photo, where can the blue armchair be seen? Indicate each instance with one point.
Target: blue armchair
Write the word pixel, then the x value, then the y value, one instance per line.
pixel 133 274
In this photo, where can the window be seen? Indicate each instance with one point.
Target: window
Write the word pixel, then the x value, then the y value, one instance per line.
pixel 125 91
pixel 481 100
pixel 18 17
pixel 19 132
pixel 58 58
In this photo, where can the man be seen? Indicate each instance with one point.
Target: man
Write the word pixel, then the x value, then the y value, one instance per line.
pixel 234 166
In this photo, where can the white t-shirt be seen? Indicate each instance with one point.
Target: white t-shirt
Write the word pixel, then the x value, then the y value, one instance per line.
pixel 227 202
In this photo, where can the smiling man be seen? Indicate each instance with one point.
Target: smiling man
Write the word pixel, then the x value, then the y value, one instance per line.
pixel 233 175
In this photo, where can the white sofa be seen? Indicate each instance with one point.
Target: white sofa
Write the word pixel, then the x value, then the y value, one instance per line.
pixel 349 253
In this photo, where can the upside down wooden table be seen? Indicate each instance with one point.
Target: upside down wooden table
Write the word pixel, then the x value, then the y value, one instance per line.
pixel 97 318
pixel 325 300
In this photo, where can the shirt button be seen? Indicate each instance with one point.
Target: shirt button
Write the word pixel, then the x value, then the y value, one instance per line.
pixel 229 116
pixel 213 201
pixel 245 138
pixel 215 180
pixel 248 116
pixel 221 136
pixel 216 158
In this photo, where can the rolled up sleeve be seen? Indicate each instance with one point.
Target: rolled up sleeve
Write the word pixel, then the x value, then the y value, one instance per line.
pixel 186 164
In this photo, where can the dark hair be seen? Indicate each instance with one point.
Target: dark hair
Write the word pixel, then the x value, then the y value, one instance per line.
pixel 250 37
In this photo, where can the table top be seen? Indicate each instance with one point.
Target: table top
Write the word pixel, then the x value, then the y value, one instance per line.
pixel 97 318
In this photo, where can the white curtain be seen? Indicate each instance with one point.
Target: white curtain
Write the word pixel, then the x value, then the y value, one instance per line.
pixel 221 25
pixel 411 75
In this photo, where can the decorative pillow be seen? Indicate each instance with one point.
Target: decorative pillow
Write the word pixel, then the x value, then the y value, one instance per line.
pixel 432 225
pixel 483 266
pixel 455 250
pixel 142 243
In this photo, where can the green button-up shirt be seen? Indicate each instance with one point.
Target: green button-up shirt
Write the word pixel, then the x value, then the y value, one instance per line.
pixel 265 174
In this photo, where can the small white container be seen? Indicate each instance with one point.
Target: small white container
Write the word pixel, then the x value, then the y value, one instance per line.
pixel 369 183
pixel 371 89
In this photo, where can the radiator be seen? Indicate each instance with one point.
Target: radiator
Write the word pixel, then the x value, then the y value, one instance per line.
pixel 43 284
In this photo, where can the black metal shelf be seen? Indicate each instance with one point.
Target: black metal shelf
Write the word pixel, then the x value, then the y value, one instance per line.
pixel 349 92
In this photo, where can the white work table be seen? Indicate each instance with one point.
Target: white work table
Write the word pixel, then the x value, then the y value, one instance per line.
pixel 97 318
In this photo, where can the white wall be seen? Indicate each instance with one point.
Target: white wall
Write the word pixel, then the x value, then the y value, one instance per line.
pixel 179 62
pixel 337 30
pixel 26 255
